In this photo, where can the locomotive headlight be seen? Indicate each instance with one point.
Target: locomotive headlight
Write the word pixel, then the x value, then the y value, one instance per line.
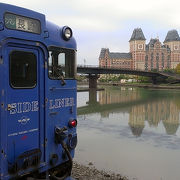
pixel 66 33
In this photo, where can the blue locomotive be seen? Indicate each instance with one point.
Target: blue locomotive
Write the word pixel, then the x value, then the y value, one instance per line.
pixel 38 96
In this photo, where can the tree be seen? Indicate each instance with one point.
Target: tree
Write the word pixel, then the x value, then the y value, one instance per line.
pixel 177 69
pixel 144 79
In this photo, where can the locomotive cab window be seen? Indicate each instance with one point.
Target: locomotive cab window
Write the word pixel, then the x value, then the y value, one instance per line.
pixel 23 69
pixel 62 64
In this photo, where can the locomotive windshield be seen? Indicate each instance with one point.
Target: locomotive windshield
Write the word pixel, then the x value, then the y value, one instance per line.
pixel 23 69
pixel 62 63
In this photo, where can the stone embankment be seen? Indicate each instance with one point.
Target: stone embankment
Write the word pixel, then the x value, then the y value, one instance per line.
pixel 81 172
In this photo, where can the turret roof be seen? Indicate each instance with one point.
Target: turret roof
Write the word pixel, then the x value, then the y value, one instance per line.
pixel 172 36
pixel 137 35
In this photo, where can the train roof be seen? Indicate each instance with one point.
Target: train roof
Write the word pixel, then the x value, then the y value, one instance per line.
pixel 50 34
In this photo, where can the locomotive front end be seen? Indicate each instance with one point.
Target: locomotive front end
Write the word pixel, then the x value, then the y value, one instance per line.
pixel 38 96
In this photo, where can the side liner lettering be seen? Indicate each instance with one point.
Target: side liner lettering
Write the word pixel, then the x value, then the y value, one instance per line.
pixel 23 107
pixel 61 103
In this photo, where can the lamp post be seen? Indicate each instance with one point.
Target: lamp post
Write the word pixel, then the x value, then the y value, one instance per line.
pixel 84 62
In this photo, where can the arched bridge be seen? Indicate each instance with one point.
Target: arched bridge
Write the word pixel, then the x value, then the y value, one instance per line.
pixel 94 71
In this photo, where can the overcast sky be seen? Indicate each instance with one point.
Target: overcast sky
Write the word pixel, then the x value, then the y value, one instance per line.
pixel 108 23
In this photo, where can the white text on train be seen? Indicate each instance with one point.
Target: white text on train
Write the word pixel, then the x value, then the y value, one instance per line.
pixel 60 103
pixel 24 107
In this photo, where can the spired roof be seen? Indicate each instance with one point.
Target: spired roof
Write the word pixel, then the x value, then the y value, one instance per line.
pixel 172 36
pixel 137 35
pixel 152 42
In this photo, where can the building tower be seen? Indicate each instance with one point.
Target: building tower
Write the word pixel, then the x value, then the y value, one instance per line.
pixel 104 59
pixel 137 45
pixel 172 40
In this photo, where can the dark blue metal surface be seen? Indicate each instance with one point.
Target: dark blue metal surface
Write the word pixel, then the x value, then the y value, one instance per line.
pixel 69 178
pixel 27 128
pixel 50 33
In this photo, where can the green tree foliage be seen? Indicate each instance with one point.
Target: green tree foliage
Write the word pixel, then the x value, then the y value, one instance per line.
pixel 168 70
pixel 111 77
pixel 81 78
pixel 177 69
pixel 144 79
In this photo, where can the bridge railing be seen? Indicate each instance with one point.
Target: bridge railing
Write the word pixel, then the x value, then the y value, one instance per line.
pixel 105 67
pixel 83 65
pixel 136 71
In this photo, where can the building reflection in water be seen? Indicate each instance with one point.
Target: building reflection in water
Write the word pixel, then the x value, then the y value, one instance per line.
pixel 136 119
pixel 171 123
pixel 118 96
pixel 160 110
pixel 154 113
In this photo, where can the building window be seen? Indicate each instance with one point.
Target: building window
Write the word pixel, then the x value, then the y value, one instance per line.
pixel 175 47
pixel 146 62
pixel 162 60
pixel 152 56
pixel 157 61
pixel 168 61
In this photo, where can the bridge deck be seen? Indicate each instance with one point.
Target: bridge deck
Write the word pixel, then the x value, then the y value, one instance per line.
pixel 103 70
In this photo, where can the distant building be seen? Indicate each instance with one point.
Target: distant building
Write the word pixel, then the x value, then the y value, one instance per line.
pixel 151 56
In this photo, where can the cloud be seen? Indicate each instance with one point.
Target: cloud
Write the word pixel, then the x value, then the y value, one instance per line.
pixel 104 23
pixel 105 15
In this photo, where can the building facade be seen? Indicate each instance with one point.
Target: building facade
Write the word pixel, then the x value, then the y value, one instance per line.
pixel 142 56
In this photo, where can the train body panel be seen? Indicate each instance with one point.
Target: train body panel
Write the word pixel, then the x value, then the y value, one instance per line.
pixel 38 95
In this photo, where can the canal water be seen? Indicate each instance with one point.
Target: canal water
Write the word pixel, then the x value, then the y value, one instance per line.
pixel 131 131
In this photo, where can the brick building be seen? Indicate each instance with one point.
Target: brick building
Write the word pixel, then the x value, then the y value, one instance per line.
pixel 153 55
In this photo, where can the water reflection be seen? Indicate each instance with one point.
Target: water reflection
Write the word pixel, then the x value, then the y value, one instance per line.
pixel 154 112
pixel 142 106
pixel 118 95
pixel 131 131
pixel 92 96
